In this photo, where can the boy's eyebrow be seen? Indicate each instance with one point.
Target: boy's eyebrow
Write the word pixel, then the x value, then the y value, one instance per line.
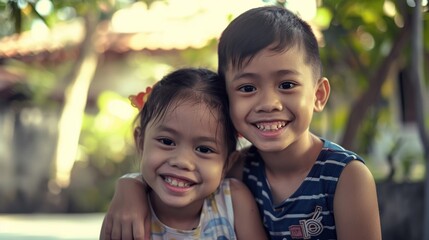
pixel 278 73
pixel 244 75
pixel 287 72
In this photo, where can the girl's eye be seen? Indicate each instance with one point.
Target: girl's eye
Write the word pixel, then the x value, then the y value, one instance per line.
pixel 247 88
pixel 204 149
pixel 166 141
pixel 287 85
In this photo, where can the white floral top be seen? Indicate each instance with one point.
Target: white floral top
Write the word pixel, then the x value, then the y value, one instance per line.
pixel 216 221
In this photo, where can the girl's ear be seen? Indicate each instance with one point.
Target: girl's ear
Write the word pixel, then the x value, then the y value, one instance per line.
pixel 138 139
pixel 323 90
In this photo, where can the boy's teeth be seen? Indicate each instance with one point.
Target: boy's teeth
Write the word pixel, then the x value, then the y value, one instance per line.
pixel 175 182
pixel 273 126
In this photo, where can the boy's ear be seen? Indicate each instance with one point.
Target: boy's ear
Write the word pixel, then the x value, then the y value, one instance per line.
pixel 323 90
pixel 138 139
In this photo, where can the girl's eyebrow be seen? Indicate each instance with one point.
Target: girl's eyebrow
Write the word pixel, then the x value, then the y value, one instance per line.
pixel 199 138
pixel 166 129
pixel 207 139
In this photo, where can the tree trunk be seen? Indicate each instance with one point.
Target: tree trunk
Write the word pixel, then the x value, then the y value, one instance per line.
pixel 368 98
pixel 75 98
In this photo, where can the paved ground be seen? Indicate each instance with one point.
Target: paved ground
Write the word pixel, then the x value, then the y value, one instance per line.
pixel 50 226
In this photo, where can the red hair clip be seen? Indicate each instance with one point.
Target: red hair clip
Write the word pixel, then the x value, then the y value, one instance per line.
pixel 140 99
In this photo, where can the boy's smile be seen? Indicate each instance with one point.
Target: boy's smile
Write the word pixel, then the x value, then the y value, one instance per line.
pixel 273 98
pixel 270 127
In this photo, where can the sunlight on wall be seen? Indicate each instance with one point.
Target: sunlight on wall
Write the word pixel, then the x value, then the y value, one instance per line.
pixel 306 9
pixel 178 24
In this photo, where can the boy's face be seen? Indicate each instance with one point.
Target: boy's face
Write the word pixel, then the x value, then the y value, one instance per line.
pixel 183 155
pixel 272 98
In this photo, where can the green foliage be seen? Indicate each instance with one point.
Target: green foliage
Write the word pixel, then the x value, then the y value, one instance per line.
pixel 107 151
pixel 107 135
pixel 357 36
pixel 23 13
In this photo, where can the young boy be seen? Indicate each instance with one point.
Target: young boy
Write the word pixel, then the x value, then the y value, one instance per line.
pixel 306 187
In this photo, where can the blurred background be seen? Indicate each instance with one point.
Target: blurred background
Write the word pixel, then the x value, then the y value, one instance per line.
pixel 67 68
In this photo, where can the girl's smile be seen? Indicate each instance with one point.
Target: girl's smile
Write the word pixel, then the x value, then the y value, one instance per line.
pixel 183 155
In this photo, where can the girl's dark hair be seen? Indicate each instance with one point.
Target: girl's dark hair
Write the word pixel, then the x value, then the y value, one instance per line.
pixel 190 84
pixel 261 27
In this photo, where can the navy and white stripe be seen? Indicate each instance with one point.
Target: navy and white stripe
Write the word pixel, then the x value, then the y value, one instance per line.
pixel 316 192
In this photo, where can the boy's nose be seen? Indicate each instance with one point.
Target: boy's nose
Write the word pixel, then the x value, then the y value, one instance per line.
pixel 268 102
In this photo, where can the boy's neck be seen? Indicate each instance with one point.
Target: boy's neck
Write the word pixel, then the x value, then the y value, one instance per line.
pixel 182 218
pixel 297 157
pixel 287 170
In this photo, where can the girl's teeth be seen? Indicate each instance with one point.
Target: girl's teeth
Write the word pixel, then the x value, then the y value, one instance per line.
pixel 176 183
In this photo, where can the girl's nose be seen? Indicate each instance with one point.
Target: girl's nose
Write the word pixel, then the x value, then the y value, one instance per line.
pixel 183 159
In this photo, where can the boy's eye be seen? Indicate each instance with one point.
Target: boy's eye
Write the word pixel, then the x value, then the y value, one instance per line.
pixel 204 149
pixel 166 141
pixel 247 88
pixel 287 85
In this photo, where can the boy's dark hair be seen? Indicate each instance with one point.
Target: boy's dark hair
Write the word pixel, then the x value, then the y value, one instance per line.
pixel 261 27
pixel 195 85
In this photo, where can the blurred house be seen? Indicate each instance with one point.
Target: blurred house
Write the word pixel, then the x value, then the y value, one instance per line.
pixel 29 133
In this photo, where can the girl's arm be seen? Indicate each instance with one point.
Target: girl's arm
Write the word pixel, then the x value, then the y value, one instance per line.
pixel 355 204
pixel 247 221
pixel 128 216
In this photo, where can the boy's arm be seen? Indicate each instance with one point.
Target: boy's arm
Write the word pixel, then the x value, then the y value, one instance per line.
pixel 247 221
pixel 355 204
pixel 128 216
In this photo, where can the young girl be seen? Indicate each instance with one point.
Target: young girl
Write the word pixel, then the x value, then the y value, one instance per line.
pixel 184 137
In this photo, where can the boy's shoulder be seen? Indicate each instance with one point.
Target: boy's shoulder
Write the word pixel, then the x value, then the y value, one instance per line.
pixel 334 151
pixel 330 152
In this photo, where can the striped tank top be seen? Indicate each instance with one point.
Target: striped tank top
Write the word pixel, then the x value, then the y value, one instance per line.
pixel 307 213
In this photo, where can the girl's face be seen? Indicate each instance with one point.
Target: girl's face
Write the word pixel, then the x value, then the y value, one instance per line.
pixel 184 154
pixel 272 99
